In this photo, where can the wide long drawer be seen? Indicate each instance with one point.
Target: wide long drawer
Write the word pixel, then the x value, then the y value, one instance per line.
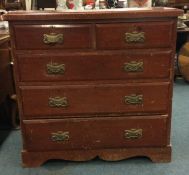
pixel 53 36
pixel 95 66
pixel 49 101
pixel 135 35
pixel 88 133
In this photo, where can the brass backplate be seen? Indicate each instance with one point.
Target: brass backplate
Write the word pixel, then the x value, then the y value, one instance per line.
pixel 133 133
pixel 58 102
pixel 60 136
pixel 55 68
pixel 53 38
pixel 134 66
pixel 135 37
pixel 134 99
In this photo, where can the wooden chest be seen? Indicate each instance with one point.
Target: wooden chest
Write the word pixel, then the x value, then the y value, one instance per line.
pixel 94 83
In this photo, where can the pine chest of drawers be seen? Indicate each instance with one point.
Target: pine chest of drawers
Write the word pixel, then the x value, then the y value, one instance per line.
pixel 94 83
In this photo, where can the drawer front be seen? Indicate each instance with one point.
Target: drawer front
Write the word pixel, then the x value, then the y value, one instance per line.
pixel 94 99
pixel 134 35
pixel 95 133
pixel 53 36
pixel 87 66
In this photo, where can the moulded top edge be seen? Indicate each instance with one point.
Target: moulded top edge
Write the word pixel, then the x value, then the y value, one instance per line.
pixel 93 14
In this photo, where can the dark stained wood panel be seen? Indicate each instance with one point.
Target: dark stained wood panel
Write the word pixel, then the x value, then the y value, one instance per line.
pixel 74 36
pixel 155 34
pixel 90 133
pixel 96 66
pixel 98 99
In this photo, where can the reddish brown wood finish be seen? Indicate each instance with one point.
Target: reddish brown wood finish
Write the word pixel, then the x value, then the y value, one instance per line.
pixel 98 99
pixel 94 52
pixel 112 36
pixel 74 36
pixel 156 154
pixel 87 134
pixel 140 13
pixel 95 66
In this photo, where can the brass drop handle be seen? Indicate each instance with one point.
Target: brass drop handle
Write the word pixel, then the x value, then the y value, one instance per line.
pixel 60 136
pixel 133 99
pixel 134 66
pixel 133 134
pixel 58 102
pixel 55 68
pixel 135 37
pixel 53 38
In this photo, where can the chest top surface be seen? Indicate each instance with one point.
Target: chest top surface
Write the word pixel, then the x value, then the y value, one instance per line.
pixel 128 13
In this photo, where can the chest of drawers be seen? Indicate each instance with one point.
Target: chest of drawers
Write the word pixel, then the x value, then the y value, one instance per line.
pixel 94 83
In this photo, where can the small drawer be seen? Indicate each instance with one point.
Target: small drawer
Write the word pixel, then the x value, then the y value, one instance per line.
pixel 95 133
pixel 94 66
pixel 69 100
pixel 53 36
pixel 135 35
